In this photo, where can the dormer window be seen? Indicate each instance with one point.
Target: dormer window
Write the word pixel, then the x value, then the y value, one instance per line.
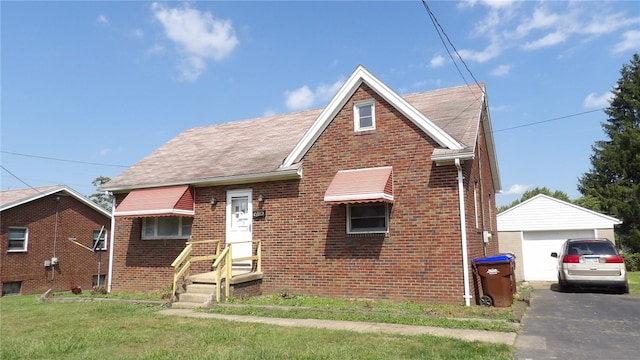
pixel 364 115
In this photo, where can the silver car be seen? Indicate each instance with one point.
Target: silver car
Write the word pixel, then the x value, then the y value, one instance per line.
pixel 591 263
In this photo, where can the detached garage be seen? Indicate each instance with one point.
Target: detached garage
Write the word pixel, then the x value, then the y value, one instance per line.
pixel 535 228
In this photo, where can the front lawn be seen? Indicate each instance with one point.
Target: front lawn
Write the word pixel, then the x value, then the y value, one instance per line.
pixel 82 330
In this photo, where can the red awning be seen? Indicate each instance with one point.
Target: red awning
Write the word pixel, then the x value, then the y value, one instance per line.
pixel 361 185
pixel 168 201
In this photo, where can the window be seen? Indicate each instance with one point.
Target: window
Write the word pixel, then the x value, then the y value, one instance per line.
pixel 367 218
pixel 102 244
pixel 364 115
pixel 98 280
pixel 12 287
pixel 17 239
pixel 166 227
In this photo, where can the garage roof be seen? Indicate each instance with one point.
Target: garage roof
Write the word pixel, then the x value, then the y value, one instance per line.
pixel 543 212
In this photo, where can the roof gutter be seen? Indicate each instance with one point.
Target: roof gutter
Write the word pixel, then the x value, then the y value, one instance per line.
pixel 286 174
pixel 112 241
pixel 463 234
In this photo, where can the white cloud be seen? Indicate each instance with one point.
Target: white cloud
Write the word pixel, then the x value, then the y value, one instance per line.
pixel 516 189
pixel 496 4
pixel 546 41
pixel 102 19
pixel 137 33
pixel 594 101
pixel 437 61
pixel 268 112
pixel 303 98
pixel 631 41
pixel 541 19
pixel 490 52
pixel 529 26
pixel 502 70
pixel 156 50
pixel 608 23
pixel 197 35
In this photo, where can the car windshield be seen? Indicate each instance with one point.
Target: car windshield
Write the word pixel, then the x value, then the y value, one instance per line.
pixel 591 248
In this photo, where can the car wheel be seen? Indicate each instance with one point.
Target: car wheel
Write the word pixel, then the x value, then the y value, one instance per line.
pixel 486 301
pixel 624 289
pixel 562 285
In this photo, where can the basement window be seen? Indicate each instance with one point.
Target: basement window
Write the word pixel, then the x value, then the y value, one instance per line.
pixel 11 288
pixel 364 116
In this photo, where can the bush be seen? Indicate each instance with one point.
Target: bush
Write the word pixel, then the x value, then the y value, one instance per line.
pixel 632 261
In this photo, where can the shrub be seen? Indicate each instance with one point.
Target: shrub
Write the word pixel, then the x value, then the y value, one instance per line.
pixel 632 261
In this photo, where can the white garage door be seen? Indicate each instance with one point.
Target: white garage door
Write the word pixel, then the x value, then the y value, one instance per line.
pixel 537 246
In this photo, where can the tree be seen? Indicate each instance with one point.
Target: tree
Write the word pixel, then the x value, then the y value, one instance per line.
pixel 561 195
pixel 614 179
pixel 101 198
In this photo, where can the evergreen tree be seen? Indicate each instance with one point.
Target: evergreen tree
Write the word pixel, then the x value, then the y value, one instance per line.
pixel 614 180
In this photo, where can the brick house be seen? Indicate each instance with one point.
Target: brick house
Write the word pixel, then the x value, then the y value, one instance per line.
pixel 376 196
pixel 36 253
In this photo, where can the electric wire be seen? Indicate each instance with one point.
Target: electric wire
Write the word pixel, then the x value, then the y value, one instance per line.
pixel 441 33
pixel 63 160
pixel 17 178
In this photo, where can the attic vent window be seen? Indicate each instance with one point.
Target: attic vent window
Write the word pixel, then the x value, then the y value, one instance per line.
pixel 364 115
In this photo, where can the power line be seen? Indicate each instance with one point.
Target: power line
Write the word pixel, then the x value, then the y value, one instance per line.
pixel 548 120
pixel 441 33
pixel 14 175
pixel 63 160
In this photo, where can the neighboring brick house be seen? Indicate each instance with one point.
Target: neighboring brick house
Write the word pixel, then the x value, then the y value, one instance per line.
pixel 36 253
pixel 360 199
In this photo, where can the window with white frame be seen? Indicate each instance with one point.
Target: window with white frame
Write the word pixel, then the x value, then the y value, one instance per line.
pixel 364 115
pixel 166 227
pixel 18 237
pixel 367 218
pixel 101 243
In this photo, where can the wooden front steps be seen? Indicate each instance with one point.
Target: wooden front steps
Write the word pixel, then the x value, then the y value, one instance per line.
pixel 201 288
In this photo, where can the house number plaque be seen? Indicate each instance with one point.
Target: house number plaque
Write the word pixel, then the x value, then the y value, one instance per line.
pixel 259 214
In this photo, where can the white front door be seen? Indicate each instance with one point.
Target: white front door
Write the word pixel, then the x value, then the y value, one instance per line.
pixel 239 223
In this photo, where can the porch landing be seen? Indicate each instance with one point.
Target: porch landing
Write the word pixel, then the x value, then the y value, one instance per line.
pixel 237 276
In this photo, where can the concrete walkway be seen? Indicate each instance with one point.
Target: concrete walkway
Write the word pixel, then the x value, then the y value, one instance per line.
pixel 462 334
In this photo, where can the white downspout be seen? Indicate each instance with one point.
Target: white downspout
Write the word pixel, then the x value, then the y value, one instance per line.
pixel 463 234
pixel 111 243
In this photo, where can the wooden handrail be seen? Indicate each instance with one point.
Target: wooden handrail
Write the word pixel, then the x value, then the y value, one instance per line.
pixel 182 263
pixel 226 256
pixel 222 263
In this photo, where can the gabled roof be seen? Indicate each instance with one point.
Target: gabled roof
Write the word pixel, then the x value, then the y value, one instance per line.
pixel 12 198
pixel 273 147
pixel 362 76
pixel 543 212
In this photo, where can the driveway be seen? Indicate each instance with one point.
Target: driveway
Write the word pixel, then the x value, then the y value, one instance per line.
pixel 580 325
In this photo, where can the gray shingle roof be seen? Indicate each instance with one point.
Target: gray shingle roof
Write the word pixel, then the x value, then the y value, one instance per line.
pixel 13 198
pixel 259 146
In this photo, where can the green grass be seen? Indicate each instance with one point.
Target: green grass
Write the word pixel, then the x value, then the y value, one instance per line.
pixel 408 313
pixel 80 330
pixel 634 281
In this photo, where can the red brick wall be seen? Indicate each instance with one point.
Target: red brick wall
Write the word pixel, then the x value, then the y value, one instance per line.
pixel 305 246
pixel 77 265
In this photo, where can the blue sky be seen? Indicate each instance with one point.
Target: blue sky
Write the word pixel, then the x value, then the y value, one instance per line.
pixel 90 88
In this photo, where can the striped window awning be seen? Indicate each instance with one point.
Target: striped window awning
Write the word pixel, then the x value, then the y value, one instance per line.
pixel 167 201
pixel 361 186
